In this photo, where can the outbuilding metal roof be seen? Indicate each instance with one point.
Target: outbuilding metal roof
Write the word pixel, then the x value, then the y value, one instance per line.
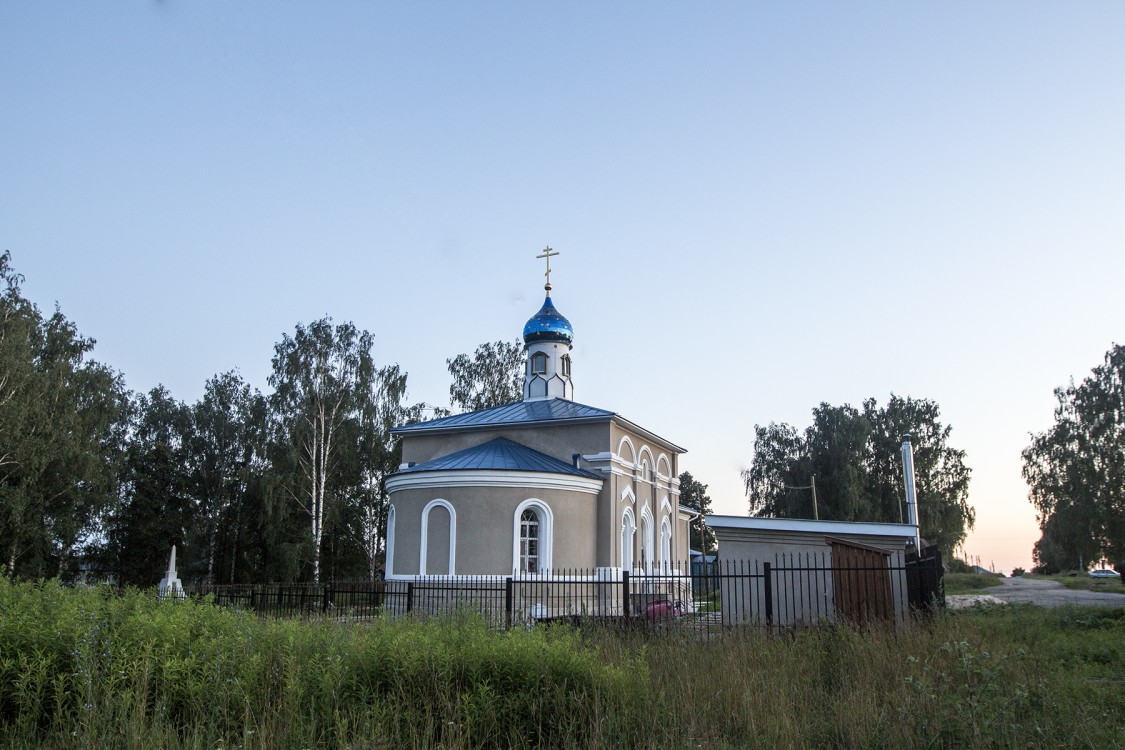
pixel 500 454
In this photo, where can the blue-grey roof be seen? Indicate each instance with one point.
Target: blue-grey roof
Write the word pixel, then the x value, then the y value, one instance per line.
pixel 500 454
pixel 548 325
pixel 519 413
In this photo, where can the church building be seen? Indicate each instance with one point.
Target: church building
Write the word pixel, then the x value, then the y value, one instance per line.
pixel 541 485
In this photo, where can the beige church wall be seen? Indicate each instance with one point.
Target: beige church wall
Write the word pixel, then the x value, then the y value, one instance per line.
pixel 606 518
pixel 558 440
pixel 682 539
pixel 485 524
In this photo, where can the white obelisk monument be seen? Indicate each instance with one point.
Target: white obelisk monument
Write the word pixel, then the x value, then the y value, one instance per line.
pixel 170 585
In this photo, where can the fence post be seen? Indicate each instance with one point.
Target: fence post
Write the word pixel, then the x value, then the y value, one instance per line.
pixel 625 597
pixel 508 603
pixel 324 602
pixel 409 596
pixel 768 580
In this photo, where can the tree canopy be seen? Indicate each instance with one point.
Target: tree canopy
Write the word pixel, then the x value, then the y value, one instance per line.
pixel 852 456
pixel 493 376
pixel 693 495
pixel 1075 472
pixel 60 437
pixel 249 487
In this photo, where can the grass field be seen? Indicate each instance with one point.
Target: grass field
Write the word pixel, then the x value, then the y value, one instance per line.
pixel 82 669
pixel 969 583
pixel 1083 582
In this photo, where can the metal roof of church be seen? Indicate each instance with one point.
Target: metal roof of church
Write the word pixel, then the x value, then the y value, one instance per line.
pixel 527 414
pixel 500 454
pixel 521 413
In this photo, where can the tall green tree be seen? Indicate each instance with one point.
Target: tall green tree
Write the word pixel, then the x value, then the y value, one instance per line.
pixel 855 457
pixel 333 411
pixel 493 376
pixel 322 377
pixel 381 455
pixel 833 450
pixel 61 424
pixel 1075 471
pixel 157 508
pixel 693 495
pixel 225 448
pixel 940 473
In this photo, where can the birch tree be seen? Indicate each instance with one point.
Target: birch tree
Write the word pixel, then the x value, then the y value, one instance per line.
pixel 492 377
pixel 321 378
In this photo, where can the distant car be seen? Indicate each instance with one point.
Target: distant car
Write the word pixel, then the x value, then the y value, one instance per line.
pixel 1103 573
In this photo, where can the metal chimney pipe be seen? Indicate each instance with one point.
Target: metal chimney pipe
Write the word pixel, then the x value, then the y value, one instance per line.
pixel 911 496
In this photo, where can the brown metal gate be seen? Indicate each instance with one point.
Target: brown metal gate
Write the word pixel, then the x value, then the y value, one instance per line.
pixel 861 579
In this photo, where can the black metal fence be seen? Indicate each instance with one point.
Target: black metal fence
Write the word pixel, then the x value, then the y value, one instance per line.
pixel 791 591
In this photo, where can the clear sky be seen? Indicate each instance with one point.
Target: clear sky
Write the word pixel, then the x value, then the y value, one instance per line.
pixel 759 206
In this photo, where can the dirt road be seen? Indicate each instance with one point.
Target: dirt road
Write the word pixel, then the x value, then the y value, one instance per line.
pixel 1050 593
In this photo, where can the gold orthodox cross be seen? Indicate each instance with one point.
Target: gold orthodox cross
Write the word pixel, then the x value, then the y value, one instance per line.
pixel 548 253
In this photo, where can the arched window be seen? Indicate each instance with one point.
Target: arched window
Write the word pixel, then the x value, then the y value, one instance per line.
pixel 531 536
pixel 665 543
pixel 529 542
pixel 389 552
pixel 566 365
pixel 628 532
pixel 438 549
pixel 539 363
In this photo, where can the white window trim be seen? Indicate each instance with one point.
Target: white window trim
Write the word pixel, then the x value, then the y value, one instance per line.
pixel 426 533
pixel 546 534
pixel 388 566
pixel 632 459
pixel 539 357
pixel 647 539
pixel 666 543
pixel 627 495
pixel 630 523
pixel 642 452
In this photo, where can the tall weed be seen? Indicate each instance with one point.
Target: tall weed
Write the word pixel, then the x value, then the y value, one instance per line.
pixel 86 668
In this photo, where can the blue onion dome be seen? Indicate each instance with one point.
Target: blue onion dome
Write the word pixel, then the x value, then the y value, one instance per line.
pixel 548 325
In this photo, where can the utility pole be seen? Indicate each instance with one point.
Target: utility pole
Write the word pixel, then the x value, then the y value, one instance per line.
pixel 812 486
pixel 815 512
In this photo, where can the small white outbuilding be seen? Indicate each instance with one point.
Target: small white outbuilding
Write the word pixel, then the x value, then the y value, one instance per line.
pixel 818 570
